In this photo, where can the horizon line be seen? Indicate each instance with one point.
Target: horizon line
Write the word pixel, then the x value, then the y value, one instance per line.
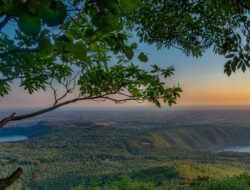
pixel 175 107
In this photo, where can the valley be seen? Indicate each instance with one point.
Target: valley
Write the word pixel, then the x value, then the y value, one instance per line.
pixel 60 155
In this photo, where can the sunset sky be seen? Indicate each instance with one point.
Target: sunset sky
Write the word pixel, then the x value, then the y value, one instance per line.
pixel 202 80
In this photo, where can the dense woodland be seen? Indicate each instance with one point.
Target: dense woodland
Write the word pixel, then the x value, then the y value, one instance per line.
pixel 88 156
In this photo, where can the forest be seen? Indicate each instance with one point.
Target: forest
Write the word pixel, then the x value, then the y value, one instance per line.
pixel 89 156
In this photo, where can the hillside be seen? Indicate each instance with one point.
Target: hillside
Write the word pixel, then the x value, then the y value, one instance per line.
pixel 67 155
pixel 201 137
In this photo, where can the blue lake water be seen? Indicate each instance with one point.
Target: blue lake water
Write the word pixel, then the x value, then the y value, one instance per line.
pixel 13 138
pixel 236 149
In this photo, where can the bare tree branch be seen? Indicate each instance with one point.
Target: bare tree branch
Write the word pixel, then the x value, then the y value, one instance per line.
pixel 54 91
pixel 69 86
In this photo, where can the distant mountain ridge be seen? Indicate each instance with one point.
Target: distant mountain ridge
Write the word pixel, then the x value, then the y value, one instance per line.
pixel 204 137
pixel 201 137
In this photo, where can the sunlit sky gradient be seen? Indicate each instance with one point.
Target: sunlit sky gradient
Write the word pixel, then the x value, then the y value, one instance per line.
pixel 202 80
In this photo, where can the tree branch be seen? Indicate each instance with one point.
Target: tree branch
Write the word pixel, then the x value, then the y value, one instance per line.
pixel 69 86
pixel 243 5
pixel 4 22
pixel 18 50
pixel 6 182
pixel 6 120
pixel 12 117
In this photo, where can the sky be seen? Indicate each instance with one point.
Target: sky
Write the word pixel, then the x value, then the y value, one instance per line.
pixel 202 80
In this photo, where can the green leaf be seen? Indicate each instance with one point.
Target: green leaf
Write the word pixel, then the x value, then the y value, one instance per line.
pixel 79 50
pixel 156 68
pixel 129 53
pixel 227 68
pixel 29 25
pixel 168 72
pixel 5 6
pixel 157 103
pixel 44 45
pixel 247 63
pixel 133 45
pixel 4 88
pixel 33 6
pixel 243 67
pixel 143 58
pixel 129 5
pixel 230 55
pixel 53 15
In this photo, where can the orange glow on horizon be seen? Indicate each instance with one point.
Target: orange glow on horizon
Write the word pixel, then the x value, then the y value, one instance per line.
pixel 218 95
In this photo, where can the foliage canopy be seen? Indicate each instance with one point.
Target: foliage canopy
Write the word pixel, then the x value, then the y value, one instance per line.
pixel 71 43
pixel 87 46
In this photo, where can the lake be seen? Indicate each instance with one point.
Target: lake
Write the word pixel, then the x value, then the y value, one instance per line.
pixel 13 138
pixel 235 149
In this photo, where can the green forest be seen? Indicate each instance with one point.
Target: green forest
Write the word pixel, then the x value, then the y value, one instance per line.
pixel 89 156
